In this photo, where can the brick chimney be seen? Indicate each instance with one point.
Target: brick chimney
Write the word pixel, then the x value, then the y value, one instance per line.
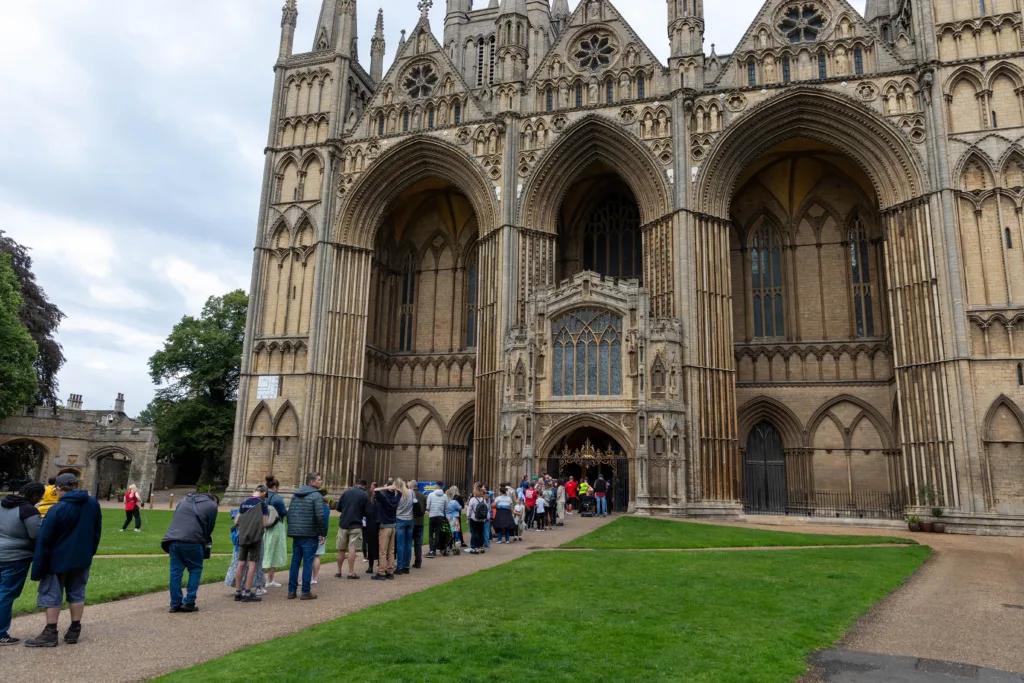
pixel 119 404
pixel 74 402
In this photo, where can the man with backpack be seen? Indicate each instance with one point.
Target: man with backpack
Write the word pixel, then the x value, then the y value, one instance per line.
pixel 68 539
pixel 188 541
pixel 253 517
pixel 419 509
pixel 479 513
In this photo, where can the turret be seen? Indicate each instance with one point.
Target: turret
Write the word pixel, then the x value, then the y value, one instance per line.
pixel 686 35
pixel 560 15
pixel 337 28
pixel 455 18
pixel 377 47
pixel 289 17
pixel 512 28
pixel 878 14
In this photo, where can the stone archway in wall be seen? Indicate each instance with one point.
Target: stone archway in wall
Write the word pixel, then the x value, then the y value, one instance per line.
pixel 109 469
pixel 838 140
pixel 20 460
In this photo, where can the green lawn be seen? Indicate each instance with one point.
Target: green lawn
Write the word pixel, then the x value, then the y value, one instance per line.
pixel 639 532
pixel 717 617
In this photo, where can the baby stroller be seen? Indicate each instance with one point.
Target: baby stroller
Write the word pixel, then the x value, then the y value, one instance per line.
pixel 447 544
pixel 588 506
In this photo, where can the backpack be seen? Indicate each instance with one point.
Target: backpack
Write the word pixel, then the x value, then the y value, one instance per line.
pixel 482 511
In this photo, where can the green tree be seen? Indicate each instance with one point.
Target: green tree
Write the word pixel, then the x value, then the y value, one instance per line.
pixel 198 371
pixel 18 381
pixel 41 317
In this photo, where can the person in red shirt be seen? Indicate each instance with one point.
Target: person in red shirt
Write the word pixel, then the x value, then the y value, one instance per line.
pixel 132 504
pixel 571 487
pixel 531 505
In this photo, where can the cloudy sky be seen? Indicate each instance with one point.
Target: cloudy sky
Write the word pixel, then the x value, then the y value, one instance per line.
pixel 133 155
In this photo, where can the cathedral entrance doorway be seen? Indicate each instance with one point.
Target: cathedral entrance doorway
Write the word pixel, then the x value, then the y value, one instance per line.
pixel 765 470
pixel 589 453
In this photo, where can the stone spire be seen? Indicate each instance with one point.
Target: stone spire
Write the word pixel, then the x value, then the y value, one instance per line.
pixel 876 9
pixel 377 46
pixel 289 17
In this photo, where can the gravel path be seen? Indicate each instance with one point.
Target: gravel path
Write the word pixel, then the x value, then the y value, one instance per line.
pixel 136 639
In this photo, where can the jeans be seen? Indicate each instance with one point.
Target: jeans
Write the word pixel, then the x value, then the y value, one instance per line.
pixel 128 515
pixel 12 581
pixel 487 533
pixel 185 556
pixel 602 505
pixel 403 543
pixel 417 545
pixel 436 523
pixel 504 535
pixel 476 532
pixel 303 552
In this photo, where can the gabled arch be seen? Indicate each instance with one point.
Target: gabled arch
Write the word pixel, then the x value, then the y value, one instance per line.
pixel 765 408
pixel 567 427
pixel 974 171
pixel 593 139
pixel 867 410
pixel 1004 69
pixel 1001 401
pixel 261 412
pixel 462 424
pixel 403 413
pixel 287 410
pixel 416 158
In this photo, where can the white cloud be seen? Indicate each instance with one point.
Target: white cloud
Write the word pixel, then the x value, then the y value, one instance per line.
pixel 191 282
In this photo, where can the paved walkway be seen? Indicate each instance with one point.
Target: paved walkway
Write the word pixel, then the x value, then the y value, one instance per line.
pixel 838 666
pixel 136 639
pixel 965 605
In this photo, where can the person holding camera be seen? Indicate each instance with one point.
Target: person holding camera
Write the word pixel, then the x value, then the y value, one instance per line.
pixel 188 541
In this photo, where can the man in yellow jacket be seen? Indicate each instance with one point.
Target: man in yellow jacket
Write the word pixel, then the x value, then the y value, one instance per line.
pixel 50 498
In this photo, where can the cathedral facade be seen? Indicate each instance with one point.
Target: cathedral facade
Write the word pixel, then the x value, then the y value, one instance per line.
pixel 780 280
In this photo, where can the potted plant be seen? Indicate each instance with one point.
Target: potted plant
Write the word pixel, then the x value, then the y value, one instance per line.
pixel 120 494
pixel 938 526
pixel 913 523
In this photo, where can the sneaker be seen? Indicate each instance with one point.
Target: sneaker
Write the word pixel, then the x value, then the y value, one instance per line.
pixel 122 531
pixel 261 591
pixel 389 577
pixel 308 596
pixel 238 596
pixel 252 597
pixel 189 607
pixel 273 584
pixel 432 554
pixel 71 635
pixel 378 577
pixel 138 531
pixel 314 582
pixel 9 640
pixel 47 638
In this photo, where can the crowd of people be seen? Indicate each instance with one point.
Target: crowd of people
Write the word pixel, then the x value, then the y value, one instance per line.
pixel 51 534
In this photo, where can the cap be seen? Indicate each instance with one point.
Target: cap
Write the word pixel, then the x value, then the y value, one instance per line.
pixel 66 480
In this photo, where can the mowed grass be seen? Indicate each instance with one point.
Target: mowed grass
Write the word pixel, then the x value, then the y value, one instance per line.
pixel 659 534
pixel 716 617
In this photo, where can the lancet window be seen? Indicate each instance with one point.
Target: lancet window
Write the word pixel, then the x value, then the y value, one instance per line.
pixel 860 267
pixel 587 354
pixel 612 241
pixel 766 279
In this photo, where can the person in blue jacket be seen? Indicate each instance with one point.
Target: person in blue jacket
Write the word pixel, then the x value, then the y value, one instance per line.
pixel 68 540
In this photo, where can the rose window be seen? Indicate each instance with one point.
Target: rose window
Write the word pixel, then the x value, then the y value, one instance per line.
pixel 802 23
pixel 420 82
pixel 595 52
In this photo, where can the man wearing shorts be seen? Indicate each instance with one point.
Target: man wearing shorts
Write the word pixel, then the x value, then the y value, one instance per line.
pixel 68 539
pixel 354 505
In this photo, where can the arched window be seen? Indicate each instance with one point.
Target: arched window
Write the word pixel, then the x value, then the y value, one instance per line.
pixel 458 113
pixel 766 276
pixel 579 94
pixel 490 72
pixel 430 118
pixel 981 6
pixel 640 86
pixel 480 62
pixel 885 32
pixel 822 65
pixel 405 121
pixel 751 72
pixel 786 70
pixel 858 61
pixel 408 310
pixel 471 285
pixel 860 267
pixel 549 99
pixel 1009 239
pixel 612 241
pixel 609 91
pixel 1020 374
pixel 380 124
pixel 587 354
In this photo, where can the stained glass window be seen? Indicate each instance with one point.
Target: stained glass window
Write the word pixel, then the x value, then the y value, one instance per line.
pixel 802 23
pixel 609 91
pixel 787 72
pixel 822 65
pixel 405 326
pixel 860 266
pixel 579 94
pixel 612 241
pixel 587 355
pixel 858 61
pixel 766 280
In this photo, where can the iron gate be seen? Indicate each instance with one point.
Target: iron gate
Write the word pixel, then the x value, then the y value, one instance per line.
pixel 765 470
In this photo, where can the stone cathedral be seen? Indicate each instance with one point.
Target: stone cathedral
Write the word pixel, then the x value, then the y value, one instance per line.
pixel 786 280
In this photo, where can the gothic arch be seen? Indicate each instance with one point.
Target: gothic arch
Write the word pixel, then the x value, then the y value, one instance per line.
pixel 363 207
pixel 403 414
pixel 867 411
pixel 593 139
pixel 1002 400
pixel 765 408
pixel 462 424
pixel 567 427
pixel 106 450
pixel 974 159
pixel 880 149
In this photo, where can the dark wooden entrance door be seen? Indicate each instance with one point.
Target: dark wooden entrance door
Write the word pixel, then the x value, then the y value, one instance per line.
pixel 766 470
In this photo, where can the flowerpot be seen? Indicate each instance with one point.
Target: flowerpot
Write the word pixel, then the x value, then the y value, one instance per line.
pixel 120 499
pixel 927 527
pixel 939 528
pixel 914 526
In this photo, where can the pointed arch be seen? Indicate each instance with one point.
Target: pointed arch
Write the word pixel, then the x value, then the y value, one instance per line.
pixel 567 427
pixel 286 422
pixel 417 158
pixel 989 425
pixel 765 408
pixel 260 422
pixel 974 172
pixel 403 413
pixel 867 410
pixel 593 139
